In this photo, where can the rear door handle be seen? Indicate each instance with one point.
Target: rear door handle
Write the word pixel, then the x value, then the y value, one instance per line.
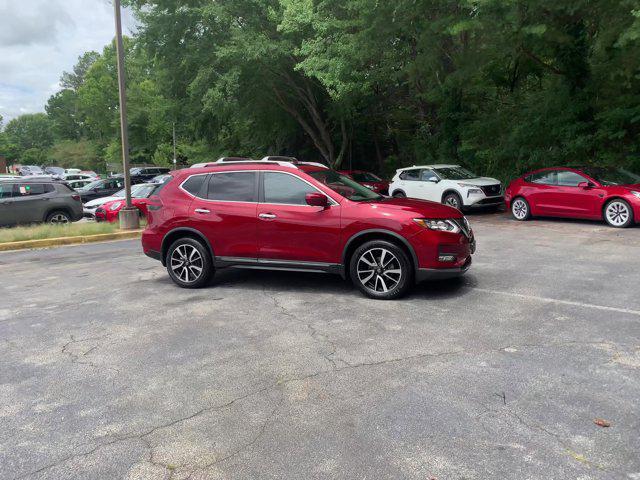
pixel 202 210
pixel 267 215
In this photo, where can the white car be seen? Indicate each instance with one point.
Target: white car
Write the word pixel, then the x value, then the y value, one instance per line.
pixel 449 184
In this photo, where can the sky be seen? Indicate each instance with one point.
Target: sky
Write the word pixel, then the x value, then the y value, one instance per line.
pixel 39 39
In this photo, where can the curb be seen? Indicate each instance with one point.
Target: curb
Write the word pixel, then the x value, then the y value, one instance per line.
pixel 56 242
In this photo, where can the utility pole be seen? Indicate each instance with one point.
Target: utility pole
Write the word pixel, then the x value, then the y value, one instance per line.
pixel 175 159
pixel 128 216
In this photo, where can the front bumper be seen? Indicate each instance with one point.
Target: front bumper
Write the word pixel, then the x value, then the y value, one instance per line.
pixel 442 273
pixel 480 201
pixel 89 212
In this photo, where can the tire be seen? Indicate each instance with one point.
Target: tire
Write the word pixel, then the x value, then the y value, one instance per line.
pixel 453 200
pixel 399 194
pixel 391 273
pixel 618 213
pixel 58 217
pixel 520 209
pixel 198 269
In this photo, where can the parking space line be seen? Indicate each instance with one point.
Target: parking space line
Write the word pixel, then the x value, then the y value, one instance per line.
pixel 562 302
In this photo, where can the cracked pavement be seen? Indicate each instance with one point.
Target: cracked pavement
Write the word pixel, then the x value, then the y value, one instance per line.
pixel 109 371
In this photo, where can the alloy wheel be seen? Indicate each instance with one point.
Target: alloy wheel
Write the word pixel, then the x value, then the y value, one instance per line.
pixel 187 263
pixel 59 218
pixel 452 201
pixel 617 214
pixel 379 270
pixel 520 209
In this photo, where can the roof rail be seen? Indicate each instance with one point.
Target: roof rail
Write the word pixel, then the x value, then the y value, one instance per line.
pixel 279 158
pixel 234 159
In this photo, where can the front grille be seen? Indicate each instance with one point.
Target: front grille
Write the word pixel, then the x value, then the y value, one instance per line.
pixel 463 225
pixel 490 201
pixel 492 190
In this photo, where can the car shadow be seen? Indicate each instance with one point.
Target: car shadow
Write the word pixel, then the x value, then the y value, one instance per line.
pixel 318 283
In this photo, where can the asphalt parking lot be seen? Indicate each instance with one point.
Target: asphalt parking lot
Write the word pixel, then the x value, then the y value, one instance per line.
pixel 110 371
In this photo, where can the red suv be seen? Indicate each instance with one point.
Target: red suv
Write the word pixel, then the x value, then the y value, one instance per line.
pixel 303 217
pixel 369 180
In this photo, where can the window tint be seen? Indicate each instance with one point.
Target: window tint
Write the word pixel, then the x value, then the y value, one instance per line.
pixel 29 189
pixel 194 184
pixel 428 175
pixel 284 188
pixel 233 187
pixel 569 179
pixel 6 190
pixel 410 174
pixel 544 178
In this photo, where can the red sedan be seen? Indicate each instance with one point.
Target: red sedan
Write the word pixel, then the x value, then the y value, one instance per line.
pixel 108 212
pixel 369 180
pixel 596 193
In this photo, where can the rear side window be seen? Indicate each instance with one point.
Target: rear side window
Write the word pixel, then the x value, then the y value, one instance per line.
pixel 193 185
pixel 232 187
pixel 410 175
pixel 544 178
pixel 30 189
pixel 285 189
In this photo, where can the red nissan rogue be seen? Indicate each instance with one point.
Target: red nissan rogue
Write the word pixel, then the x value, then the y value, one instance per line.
pixel 289 215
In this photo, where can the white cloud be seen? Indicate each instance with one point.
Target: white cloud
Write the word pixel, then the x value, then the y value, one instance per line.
pixel 39 39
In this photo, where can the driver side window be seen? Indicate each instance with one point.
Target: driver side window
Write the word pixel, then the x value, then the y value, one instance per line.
pixel 567 178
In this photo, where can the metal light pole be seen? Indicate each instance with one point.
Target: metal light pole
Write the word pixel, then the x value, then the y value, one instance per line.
pixel 128 216
pixel 175 160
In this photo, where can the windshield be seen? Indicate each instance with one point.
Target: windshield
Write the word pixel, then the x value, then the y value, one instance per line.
pixel 141 191
pixel 55 170
pixel 345 186
pixel 92 185
pixel 612 176
pixel 365 177
pixel 455 173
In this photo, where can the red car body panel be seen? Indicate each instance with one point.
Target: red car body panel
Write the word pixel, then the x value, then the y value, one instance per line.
pixel 300 233
pixel 570 202
pixel 104 213
pixel 381 187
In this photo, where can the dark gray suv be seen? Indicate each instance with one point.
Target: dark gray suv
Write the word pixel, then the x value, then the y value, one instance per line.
pixel 25 200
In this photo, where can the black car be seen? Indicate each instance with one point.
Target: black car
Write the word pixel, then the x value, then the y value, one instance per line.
pixel 145 174
pixel 101 188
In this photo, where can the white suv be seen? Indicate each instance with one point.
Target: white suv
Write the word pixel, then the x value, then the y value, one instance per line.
pixel 449 184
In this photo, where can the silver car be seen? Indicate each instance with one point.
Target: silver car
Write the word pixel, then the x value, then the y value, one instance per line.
pixel 37 200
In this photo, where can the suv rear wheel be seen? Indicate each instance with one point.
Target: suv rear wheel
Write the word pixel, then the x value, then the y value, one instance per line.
pixel 381 270
pixel 58 217
pixel 189 263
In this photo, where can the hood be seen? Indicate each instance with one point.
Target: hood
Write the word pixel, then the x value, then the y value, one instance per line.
pixel 480 181
pixel 419 208
pixel 101 201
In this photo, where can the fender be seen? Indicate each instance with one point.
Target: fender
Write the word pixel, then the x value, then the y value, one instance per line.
pixel 193 231
pixel 404 241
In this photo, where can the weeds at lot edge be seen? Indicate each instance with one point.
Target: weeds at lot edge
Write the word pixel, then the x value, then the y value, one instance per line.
pixel 39 232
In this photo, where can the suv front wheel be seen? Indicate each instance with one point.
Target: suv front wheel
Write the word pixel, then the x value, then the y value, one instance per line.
pixel 381 270
pixel 189 263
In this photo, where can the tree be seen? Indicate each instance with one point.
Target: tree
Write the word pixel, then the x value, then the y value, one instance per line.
pixel 73 80
pixel 29 135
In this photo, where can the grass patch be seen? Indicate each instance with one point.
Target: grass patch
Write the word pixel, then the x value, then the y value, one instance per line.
pixel 39 232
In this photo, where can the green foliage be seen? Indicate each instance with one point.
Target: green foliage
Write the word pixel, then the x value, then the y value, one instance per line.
pixel 499 86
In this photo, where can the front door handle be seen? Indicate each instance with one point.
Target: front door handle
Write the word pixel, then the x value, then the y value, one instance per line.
pixel 202 210
pixel 267 216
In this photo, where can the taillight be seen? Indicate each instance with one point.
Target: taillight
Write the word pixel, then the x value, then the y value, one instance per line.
pixel 76 197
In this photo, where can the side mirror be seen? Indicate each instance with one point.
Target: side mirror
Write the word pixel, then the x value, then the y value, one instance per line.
pixel 433 180
pixel 317 200
pixel 586 185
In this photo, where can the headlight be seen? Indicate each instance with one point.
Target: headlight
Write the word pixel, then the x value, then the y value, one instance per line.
pixel 474 191
pixel 442 225
pixel 115 206
pixel 637 194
